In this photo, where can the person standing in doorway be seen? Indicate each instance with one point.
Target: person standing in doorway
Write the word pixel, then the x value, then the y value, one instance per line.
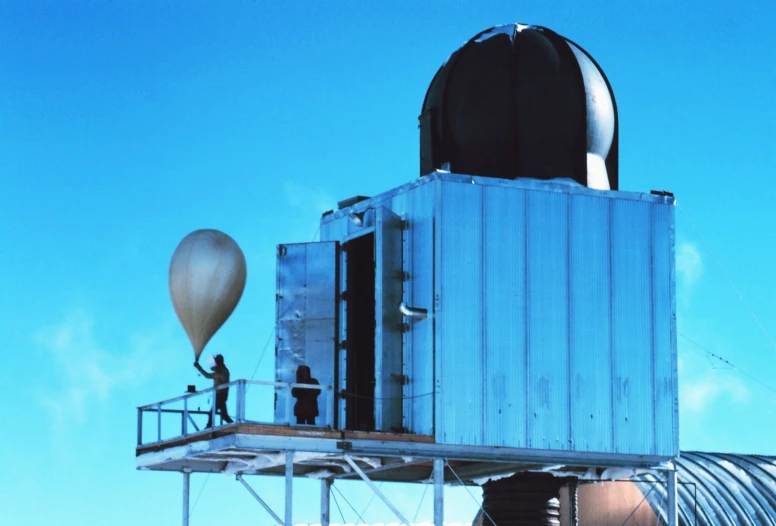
pixel 306 408
pixel 220 376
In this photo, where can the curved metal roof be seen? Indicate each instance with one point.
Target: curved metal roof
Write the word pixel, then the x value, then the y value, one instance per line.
pixel 719 489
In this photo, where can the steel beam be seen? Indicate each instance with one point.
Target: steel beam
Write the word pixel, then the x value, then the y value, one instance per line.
pixel 375 489
pixel 259 499
pixel 672 500
pixel 289 487
pixel 439 491
pixel 325 501
pixel 186 493
pixel 398 448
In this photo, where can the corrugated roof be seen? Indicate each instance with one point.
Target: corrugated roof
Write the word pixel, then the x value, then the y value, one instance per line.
pixel 719 489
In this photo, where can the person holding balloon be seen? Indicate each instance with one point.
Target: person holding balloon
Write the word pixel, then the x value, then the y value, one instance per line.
pixel 207 279
pixel 220 376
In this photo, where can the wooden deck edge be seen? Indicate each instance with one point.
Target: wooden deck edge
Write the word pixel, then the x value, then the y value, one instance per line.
pixel 276 430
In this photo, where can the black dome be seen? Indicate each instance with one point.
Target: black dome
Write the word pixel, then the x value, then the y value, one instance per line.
pixel 521 101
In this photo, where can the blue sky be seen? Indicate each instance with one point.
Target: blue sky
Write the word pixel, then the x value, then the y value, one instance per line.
pixel 126 125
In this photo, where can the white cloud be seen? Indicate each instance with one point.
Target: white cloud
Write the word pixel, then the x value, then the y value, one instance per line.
pixel 88 372
pixel 701 386
pixel 311 204
pixel 689 264
pixel 308 199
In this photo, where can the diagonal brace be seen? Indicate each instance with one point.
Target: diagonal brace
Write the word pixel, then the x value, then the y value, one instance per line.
pixel 256 496
pixel 375 489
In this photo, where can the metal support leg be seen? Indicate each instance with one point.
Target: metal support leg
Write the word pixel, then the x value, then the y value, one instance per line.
pixel 375 489
pixel 672 503
pixel 289 487
pixel 186 493
pixel 278 520
pixel 325 501
pixel 574 503
pixel 439 491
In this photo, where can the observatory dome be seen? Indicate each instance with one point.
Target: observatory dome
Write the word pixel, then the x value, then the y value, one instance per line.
pixel 521 101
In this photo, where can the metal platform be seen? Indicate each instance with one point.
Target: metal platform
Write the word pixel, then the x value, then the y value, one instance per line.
pixel 260 449
pixel 249 447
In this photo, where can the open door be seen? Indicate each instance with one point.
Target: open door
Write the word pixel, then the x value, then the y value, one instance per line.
pixel 306 322
pixel 389 278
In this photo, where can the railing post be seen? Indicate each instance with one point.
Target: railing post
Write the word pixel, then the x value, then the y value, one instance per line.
pixel 213 410
pixel 241 401
pixel 672 512
pixel 288 403
pixel 139 426
pixel 289 487
pixel 159 422
pixel 325 501
pixel 185 425
pixel 186 493
pixel 439 491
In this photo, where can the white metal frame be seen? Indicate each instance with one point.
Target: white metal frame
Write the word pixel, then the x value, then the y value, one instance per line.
pixel 241 386
pixel 326 484
pixel 437 479
pixel 193 456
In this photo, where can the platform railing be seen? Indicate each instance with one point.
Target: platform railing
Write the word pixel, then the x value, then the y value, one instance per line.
pixel 188 417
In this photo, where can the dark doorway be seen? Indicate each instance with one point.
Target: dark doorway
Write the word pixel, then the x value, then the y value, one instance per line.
pixel 360 326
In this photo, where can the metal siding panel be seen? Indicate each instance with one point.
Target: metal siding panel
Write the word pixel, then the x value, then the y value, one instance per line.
pixel 388 334
pixel 664 323
pixel 460 304
pixel 305 317
pixel 547 277
pixel 420 292
pixel 632 328
pixel 504 312
pixel 590 324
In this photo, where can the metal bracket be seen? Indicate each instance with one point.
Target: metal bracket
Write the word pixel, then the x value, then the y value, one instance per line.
pixel 345 445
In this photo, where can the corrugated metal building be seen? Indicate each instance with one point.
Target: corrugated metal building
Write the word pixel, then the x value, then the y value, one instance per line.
pixel 714 489
pixel 551 314
pixel 720 489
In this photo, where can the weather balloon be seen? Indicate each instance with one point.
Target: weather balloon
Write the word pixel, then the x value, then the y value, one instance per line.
pixel 207 279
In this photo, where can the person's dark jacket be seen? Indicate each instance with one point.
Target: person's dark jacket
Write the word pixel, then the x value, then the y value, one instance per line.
pixel 306 399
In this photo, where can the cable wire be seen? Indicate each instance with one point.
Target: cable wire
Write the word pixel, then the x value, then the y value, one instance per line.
pixel 196 501
pixel 492 522
pixel 348 503
pixel 730 280
pixel 727 362
pixel 342 516
pixel 420 504
pixel 640 503
pixel 263 351
pixel 348 394
pixel 363 512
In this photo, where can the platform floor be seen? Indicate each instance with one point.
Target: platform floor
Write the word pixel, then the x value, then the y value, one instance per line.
pixel 260 449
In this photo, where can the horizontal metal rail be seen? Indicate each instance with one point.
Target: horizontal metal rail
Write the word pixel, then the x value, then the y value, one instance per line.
pixel 288 385
pixel 186 414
